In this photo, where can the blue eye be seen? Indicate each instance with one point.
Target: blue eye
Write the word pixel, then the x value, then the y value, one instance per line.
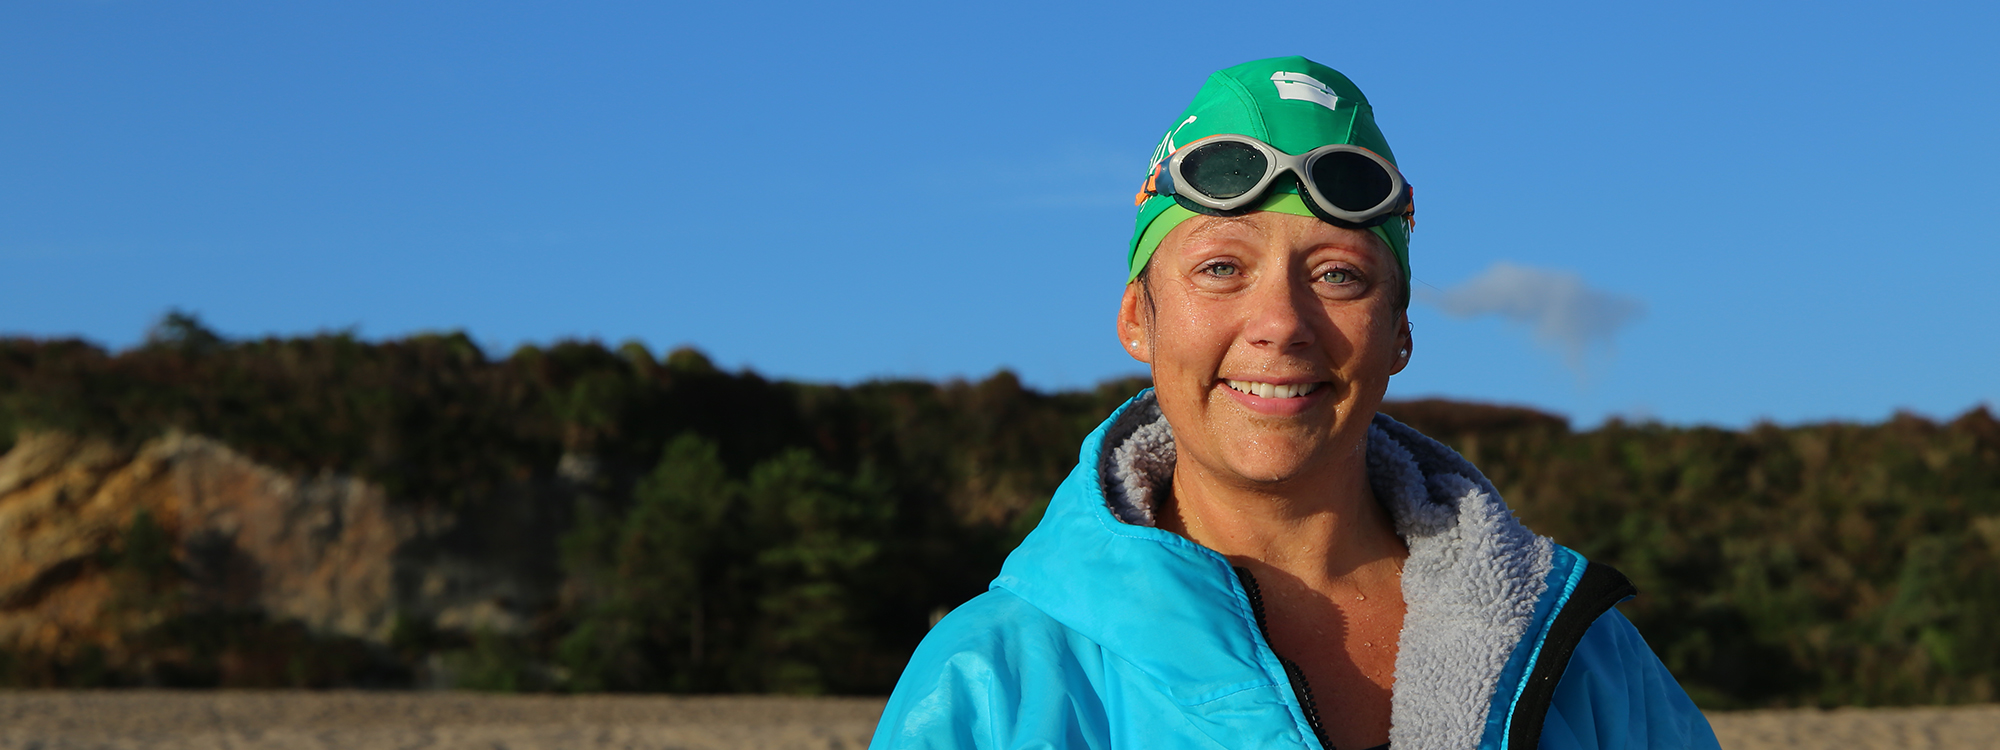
pixel 1337 276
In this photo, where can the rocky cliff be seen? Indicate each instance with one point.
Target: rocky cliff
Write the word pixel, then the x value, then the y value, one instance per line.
pixel 327 553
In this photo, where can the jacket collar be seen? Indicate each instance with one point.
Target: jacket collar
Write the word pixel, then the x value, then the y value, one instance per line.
pixel 1177 612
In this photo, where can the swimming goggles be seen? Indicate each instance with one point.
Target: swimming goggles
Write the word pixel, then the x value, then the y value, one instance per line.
pixel 1344 185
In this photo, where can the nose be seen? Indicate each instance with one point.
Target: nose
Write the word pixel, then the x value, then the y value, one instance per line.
pixel 1278 320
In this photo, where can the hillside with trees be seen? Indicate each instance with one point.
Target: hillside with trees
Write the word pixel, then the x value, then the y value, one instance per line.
pixel 710 531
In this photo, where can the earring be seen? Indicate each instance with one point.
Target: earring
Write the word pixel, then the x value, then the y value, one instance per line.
pixel 1134 343
pixel 1403 353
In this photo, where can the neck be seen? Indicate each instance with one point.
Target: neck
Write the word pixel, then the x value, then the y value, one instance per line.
pixel 1324 530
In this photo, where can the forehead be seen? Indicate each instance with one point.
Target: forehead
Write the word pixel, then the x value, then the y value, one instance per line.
pixel 1270 227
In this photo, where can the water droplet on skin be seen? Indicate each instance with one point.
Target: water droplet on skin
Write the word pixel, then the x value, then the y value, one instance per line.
pixel 1361 597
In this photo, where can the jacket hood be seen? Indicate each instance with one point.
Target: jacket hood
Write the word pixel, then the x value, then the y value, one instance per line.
pixel 1472 583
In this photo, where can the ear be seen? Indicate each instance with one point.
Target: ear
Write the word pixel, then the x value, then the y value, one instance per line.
pixel 1134 326
pixel 1405 345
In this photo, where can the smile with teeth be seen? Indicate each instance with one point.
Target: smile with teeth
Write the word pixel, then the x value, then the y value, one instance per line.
pixel 1272 390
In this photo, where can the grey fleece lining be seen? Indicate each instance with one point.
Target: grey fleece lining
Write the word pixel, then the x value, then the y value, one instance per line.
pixel 1139 462
pixel 1470 583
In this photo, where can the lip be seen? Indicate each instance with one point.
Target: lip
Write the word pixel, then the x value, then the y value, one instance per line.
pixel 1279 407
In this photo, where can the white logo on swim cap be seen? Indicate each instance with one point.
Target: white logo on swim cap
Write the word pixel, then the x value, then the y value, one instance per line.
pixel 1167 145
pixel 1304 88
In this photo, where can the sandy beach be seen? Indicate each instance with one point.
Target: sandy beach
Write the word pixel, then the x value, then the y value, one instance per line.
pixel 1953 728
pixel 89 720
pixel 162 720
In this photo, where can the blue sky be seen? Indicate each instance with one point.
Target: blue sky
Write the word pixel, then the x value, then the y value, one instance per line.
pixel 1788 208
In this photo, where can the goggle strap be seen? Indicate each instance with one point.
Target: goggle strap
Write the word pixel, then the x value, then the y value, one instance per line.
pixel 1409 214
pixel 1159 182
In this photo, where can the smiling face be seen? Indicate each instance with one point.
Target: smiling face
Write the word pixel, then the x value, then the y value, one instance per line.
pixel 1271 338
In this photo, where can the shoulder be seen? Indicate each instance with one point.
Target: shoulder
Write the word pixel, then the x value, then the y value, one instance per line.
pixel 1616 695
pixel 995 631
pixel 995 670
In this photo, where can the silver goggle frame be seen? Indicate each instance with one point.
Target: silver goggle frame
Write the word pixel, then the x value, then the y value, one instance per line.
pixel 1168 178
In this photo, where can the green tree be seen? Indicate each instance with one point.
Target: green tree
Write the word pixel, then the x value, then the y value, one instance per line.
pixel 710 583
pixel 654 581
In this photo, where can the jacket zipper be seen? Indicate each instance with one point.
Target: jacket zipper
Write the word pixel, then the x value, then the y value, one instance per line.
pixel 1300 687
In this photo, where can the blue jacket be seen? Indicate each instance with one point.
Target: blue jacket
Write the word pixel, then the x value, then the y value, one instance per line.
pixel 1104 632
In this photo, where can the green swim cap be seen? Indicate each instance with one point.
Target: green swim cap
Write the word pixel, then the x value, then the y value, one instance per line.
pixel 1288 112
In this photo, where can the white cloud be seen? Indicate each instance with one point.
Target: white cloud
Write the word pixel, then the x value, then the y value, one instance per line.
pixel 1562 311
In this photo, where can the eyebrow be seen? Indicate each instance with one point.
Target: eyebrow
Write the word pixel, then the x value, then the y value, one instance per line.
pixel 1210 227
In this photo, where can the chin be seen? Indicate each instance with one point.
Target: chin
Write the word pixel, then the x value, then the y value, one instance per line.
pixel 1269 462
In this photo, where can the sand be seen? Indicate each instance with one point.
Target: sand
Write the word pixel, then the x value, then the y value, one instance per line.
pixel 1955 728
pixel 86 720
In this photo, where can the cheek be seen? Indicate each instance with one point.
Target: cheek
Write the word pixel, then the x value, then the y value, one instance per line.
pixel 1190 336
pixel 1361 338
pixel 1385 337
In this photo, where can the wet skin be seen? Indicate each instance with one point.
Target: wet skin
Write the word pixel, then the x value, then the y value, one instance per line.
pixel 1272 338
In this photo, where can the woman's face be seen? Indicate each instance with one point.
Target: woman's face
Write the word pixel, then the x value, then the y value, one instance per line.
pixel 1272 338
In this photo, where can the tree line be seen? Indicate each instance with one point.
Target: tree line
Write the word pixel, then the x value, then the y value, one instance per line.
pixel 739 534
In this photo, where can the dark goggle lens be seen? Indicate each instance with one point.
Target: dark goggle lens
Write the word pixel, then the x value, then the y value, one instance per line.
pixel 1351 181
pixel 1223 170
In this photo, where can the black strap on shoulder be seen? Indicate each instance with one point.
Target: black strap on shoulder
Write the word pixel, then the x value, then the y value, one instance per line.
pixel 1601 587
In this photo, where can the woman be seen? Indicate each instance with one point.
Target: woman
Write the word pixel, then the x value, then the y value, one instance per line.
pixel 1247 555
